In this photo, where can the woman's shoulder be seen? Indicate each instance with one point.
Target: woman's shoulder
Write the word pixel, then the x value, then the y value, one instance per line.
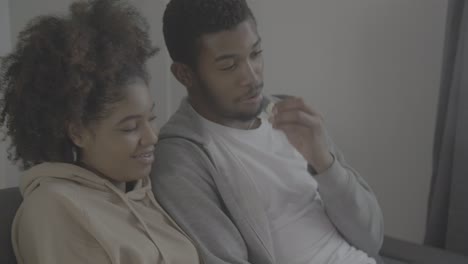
pixel 56 183
pixel 52 197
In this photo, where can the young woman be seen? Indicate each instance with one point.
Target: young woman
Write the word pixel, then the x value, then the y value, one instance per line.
pixel 76 105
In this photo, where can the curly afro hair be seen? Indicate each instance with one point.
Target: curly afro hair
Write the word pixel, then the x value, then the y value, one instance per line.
pixel 69 69
pixel 185 21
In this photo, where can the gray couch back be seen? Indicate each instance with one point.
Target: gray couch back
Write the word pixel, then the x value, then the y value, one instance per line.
pixel 10 200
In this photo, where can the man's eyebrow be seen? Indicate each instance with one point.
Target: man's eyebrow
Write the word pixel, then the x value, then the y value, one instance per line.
pixel 225 57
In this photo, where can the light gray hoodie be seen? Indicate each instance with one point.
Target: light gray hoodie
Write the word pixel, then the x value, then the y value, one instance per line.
pixel 198 181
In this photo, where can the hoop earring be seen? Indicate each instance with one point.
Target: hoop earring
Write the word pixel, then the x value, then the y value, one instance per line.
pixel 74 154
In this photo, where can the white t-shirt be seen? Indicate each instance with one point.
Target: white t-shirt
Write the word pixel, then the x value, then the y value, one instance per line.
pixel 301 230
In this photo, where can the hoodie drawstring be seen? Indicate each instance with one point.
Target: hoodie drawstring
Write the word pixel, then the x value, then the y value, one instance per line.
pixel 145 227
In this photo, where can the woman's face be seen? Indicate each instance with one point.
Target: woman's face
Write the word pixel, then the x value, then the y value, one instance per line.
pixel 120 146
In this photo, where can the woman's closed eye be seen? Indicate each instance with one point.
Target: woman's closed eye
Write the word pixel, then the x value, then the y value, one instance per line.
pixel 129 128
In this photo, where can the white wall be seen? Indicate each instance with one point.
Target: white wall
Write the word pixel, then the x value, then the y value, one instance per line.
pixel 5 41
pixel 373 68
pixel 8 172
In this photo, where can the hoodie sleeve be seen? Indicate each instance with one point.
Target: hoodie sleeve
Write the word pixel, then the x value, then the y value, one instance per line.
pixel 48 229
pixel 351 204
pixel 183 185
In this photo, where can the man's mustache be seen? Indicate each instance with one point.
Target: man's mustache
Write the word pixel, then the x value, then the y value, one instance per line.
pixel 254 90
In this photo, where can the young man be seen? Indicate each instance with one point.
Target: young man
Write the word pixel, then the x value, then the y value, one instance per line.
pixel 246 186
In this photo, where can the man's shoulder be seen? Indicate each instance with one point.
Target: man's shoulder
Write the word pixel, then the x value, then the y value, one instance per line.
pixel 178 163
pixel 181 154
pixel 184 124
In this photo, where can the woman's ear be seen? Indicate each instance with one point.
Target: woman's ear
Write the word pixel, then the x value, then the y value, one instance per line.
pixel 76 133
pixel 184 74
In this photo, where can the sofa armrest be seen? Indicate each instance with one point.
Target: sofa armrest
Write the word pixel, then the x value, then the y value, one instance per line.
pixel 412 253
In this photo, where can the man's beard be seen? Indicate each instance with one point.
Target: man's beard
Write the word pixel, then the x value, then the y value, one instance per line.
pixel 227 113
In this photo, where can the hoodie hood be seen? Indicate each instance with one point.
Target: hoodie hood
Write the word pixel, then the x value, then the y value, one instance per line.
pixel 140 203
pixel 47 171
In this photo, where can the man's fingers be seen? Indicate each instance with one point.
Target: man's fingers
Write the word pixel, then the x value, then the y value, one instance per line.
pixel 294 103
pixel 295 117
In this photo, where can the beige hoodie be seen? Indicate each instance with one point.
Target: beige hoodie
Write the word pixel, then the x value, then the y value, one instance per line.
pixel 71 215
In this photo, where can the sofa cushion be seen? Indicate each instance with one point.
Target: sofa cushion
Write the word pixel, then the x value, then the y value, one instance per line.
pixel 10 200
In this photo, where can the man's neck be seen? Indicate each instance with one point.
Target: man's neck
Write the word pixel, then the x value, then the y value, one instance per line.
pixel 228 122
pixel 244 125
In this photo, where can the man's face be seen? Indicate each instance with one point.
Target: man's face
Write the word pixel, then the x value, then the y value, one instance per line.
pixel 229 74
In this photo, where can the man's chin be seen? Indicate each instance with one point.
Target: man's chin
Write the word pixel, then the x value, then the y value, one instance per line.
pixel 249 115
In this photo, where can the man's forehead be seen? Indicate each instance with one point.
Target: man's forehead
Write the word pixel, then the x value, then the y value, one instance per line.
pixel 243 36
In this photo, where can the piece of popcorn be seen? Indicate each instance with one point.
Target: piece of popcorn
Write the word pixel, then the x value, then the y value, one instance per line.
pixel 269 108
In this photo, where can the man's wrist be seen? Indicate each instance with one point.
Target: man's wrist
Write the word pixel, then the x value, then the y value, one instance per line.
pixel 322 164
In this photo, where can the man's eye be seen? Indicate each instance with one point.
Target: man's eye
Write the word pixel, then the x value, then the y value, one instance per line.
pixel 152 118
pixel 229 68
pixel 257 53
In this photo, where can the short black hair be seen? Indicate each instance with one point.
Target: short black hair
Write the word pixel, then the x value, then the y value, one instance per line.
pixel 185 21
pixel 69 69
